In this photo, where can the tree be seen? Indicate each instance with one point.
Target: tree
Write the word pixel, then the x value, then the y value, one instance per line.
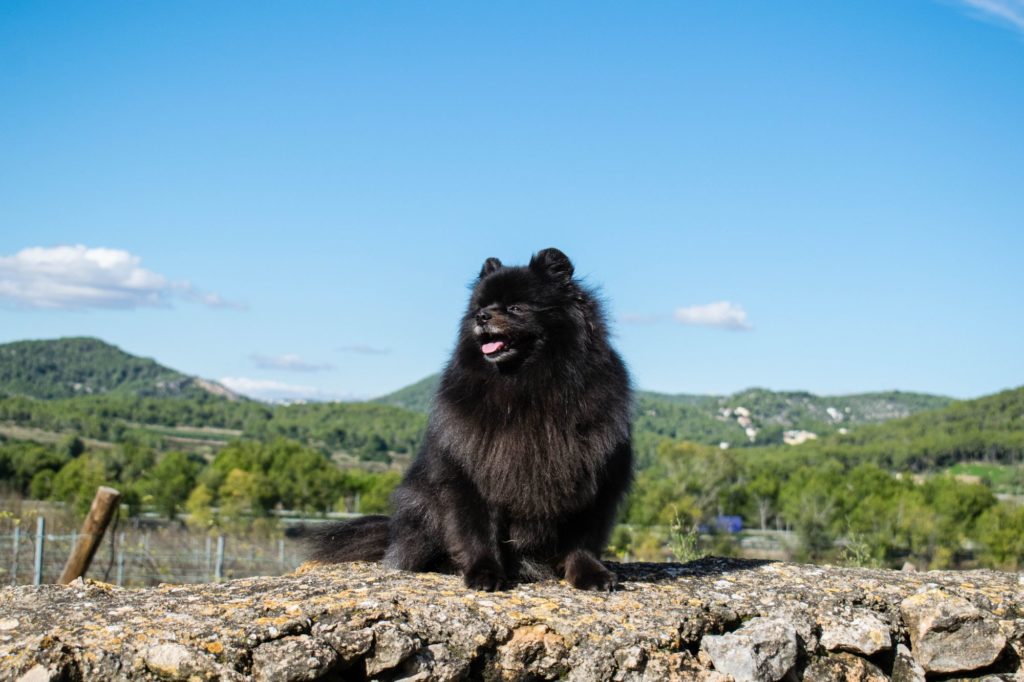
pixel 374 499
pixel 169 483
pixel 244 496
pixel 764 490
pixel 200 508
pixel 1001 532
pixel 77 481
pixel 73 445
pixel 810 502
pixel 42 484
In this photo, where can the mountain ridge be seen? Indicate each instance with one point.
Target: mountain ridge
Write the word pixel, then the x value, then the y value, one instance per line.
pixel 766 409
pixel 83 365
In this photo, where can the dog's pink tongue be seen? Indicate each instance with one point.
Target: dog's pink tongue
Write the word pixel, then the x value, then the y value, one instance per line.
pixel 492 347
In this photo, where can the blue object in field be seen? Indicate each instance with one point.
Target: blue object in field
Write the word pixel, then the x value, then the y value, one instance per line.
pixel 729 524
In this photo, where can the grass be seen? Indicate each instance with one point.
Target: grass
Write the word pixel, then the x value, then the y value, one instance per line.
pixel 205 433
pixel 1004 478
pixel 35 435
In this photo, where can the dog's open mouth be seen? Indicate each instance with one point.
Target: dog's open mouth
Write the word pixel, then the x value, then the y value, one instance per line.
pixel 492 347
pixel 495 347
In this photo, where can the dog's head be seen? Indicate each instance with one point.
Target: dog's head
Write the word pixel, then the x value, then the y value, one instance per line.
pixel 516 312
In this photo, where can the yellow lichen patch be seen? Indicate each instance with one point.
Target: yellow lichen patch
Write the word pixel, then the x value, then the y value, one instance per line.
pixel 276 621
pixel 544 609
pixel 214 647
pixel 107 587
pixel 536 633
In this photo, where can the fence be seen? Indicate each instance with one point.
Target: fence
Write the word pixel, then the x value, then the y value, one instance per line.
pixel 141 557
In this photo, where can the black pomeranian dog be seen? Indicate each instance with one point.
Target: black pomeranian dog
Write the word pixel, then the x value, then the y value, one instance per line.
pixel 527 452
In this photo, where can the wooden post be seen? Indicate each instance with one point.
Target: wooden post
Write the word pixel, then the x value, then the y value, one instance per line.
pixel 95 524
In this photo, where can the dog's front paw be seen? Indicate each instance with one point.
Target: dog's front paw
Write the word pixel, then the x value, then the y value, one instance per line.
pixel 486 575
pixel 587 573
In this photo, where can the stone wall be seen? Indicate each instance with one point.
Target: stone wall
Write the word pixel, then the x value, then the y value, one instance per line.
pixel 713 619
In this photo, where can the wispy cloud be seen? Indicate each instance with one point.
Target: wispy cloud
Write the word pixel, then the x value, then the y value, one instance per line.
pixel 722 314
pixel 640 318
pixel 265 389
pixel 1009 12
pixel 207 298
pixel 78 277
pixel 289 362
pixel 364 349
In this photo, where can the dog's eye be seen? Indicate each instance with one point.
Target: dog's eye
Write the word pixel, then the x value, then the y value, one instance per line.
pixel 514 309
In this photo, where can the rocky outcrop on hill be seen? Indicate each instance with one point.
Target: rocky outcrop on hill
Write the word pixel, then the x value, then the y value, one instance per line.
pixel 713 619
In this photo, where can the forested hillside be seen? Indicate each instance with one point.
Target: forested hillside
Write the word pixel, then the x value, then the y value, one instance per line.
pixel 63 368
pixel 416 397
pixel 365 430
pixel 880 489
pixel 988 429
pixel 879 492
pixel 753 417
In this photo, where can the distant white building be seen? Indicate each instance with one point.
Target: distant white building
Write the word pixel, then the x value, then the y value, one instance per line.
pixel 835 414
pixel 741 412
pixel 796 437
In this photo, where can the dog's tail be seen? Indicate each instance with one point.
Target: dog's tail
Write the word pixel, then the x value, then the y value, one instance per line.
pixel 362 539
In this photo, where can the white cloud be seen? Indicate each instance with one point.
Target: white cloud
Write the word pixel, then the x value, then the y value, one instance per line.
pixel 1005 11
pixel 76 277
pixel 267 389
pixel 721 314
pixel 364 349
pixel 288 361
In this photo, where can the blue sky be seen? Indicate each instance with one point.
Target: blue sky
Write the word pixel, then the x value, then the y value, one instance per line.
pixel 292 197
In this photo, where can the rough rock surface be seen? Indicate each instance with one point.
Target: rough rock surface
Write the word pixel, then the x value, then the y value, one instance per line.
pixel 363 621
pixel 762 650
pixel 858 631
pixel 905 668
pixel 949 634
pixel 846 667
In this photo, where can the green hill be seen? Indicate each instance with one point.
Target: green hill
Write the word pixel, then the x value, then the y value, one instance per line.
pixel 99 391
pixel 69 367
pixel 715 419
pixel 693 399
pixel 988 429
pixel 416 397
pixel 77 413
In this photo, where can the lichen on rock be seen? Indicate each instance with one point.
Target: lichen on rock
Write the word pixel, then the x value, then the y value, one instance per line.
pixel 364 621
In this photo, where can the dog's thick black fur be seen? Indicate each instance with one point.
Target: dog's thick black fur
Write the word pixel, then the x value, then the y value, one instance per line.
pixel 527 452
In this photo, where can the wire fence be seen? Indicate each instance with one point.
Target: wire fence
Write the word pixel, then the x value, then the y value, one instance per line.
pixel 139 557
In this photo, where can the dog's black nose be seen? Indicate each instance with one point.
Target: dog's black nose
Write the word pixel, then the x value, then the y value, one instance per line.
pixel 482 316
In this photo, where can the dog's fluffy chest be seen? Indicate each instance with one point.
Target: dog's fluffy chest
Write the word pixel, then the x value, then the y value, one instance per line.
pixel 539 469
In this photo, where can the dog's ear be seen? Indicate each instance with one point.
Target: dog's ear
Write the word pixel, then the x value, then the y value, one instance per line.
pixel 552 263
pixel 490 265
